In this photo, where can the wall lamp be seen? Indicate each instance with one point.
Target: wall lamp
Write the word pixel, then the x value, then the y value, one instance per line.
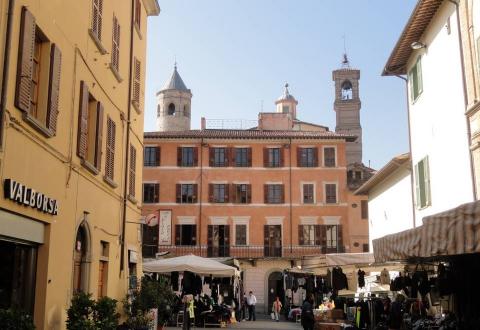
pixel 418 45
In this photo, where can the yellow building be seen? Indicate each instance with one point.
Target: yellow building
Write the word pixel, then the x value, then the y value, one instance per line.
pixel 71 109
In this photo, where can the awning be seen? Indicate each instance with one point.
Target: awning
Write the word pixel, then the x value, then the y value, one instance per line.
pixel 453 232
pixel 337 259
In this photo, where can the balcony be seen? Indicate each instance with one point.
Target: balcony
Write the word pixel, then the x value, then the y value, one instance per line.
pixel 245 252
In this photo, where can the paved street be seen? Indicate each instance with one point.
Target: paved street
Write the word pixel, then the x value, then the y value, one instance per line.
pixel 262 323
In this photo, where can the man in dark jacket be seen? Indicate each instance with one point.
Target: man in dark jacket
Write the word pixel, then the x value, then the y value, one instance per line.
pixel 308 320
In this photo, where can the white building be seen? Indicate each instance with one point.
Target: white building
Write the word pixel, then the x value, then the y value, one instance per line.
pixel 390 207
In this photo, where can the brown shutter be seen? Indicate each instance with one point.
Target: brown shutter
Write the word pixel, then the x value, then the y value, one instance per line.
pixel 318 235
pixel 97 18
pixel 110 149
pixel 156 193
pixel 26 48
pixel 315 157
pixel 282 191
pixel 82 135
pixel 226 236
pixel 301 240
pixel 133 165
pixel 136 82
pixel 116 44
pixel 231 156
pixel 210 193
pixel 364 209
pixel 299 157
pixel 209 240
pixel 249 157
pixel 177 235
pixel 178 192
pixel 249 193
pixel 194 236
pixel 53 88
pixel 179 156
pixel 265 157
pixel 282 151
pixel 233 193
pixel 195 156
pixel 211 156
pixel 266 240
pixel 99 136
pixel 225 187
pixel 157 156
pixel 340 238
pixel 195 193
pixel 323 238
pixel 265 193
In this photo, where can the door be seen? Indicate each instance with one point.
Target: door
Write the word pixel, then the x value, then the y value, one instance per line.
pixel 275 289
pixel 273 241
pixel 218 241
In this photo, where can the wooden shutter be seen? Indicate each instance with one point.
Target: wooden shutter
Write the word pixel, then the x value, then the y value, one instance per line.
pixel 315 157
pixel 233 193
pixel 323 238
pixel 138 15
pixel 156 193
pixel 157 155
pixel 364 209
pixel 178 192
pixel 426 177
pixel 209 240
pixel 53 88
pixel 110 149
pixel 26 48
pixel 266 240
pixel 179 156
pixel 178 229
pixel 97 18
pixel 195 193
pixel 226 197
pixel 133 160
pixel 418 199
pixel 265 157
pixel 282 193
pixel 82 136
pixel 340 238
pixel 211 156
pixel 226 240
pixel 301 240
pixel 265 193
pixel 249 157
pixel 99 136
pixel 318 235
pixel 136 81
pixel 299 157
pixel 195 156
pixel 281 152
pixel 116 44
pixel 418 67
pixel 231 156
pixel 194 234
pixel 249 193
pixel 210 193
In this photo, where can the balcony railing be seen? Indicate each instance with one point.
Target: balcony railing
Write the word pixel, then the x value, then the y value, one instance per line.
pixel 244 252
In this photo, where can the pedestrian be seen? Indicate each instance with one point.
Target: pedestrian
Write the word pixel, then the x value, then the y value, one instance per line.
pixel 307 318
pixel 276 308
pixel 244 307
pixel 252 301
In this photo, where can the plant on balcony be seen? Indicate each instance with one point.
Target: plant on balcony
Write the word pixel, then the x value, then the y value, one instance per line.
pixel 13 319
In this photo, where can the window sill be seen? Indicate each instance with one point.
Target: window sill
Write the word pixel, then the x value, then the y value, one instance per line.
pixel 39 126
pixel 132 199
pixel 139 33
pixel 150 203
pixel 97 42
pixel 90 167
pixel 110 182
pixel 136 106
pixel 115 73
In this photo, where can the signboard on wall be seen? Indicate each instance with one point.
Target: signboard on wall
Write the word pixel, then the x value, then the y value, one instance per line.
pixel 165 228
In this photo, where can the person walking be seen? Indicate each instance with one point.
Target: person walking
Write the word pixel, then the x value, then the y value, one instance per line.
pixel 244 307
pixel 252 301
pixel 307 318
pixel 276 308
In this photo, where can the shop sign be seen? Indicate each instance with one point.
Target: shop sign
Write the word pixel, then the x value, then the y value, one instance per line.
pixel 24 195
pixel 165 228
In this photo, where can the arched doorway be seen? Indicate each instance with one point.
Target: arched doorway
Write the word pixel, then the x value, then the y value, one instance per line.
pixel 81 260
pixel 275 289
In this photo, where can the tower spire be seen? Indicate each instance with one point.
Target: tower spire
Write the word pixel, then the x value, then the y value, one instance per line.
pixel 345 61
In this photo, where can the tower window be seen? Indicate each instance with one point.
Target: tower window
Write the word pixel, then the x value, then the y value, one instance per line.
pixel 347 90
pixel 285 109
pixel 171 109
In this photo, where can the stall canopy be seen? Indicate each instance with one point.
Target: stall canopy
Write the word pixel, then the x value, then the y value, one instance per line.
pixel 337 259
pixel 453 232
pixel 190 263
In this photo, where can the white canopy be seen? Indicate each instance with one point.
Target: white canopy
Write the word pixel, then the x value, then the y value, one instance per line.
pixel 190 263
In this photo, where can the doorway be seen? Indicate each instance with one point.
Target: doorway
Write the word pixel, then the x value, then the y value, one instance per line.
pixel 275 289
pixel 218 241
pixel 273 241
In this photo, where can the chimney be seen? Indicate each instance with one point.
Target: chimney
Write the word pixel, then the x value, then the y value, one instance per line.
pixel 203 123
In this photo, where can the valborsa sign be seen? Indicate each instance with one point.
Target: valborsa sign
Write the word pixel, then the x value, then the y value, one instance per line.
pixel 24 195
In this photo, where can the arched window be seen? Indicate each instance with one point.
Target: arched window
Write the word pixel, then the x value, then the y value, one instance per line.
pixel 80 259
pixel 347 90
pixel 186 111
pixel 158 110
pixel 171 109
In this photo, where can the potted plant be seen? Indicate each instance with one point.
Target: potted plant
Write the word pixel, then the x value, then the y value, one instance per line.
pixel 87 314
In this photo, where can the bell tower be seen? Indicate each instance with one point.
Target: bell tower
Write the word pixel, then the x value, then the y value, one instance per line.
pixel 347 107
pixel 174 105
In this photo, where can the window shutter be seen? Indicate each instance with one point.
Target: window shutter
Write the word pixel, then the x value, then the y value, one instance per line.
pixel 179 156
pixel 281 152
pixel 265 157
pixel 53 88
pixel 178 192
pixel 209 240
pixel 156 196
pixel 318 235
pixel 282 193
pixel 364 209
pixel 231 156
pixel 133 160
pixel 225 187
pixel 299 157
pixel 265 193
pixel 136 81
pixel 82 121
pixel 427 181
pixel 266 240
pixel 157 155
pixel 110 149
pixel 249 157
pixel 301 240
pixel 233 193
pixel 249 193
pixel 226 235
pixel 419 76
pixel 99 136
pixel 195 156
pixel 194 234
pixel 195 193
pixel 211 156
pixel 116 44
pixel 417 188
pixel 340 238
pixel 26 48
pixel 411 85
pixel 177 235
pixel 138 13
pixel 210 193
pixel 315 157
pixel 323 238
pixel 97 18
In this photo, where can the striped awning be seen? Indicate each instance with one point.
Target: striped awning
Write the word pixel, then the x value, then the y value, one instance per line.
pixel 453 232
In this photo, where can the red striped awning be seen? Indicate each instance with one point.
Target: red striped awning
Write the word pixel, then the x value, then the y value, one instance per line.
pixel 453 232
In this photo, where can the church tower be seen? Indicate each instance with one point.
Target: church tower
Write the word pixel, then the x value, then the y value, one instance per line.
pixel 347 107
pixel 287 103
pixel 174 105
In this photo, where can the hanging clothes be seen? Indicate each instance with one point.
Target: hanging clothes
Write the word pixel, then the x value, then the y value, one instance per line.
pixel 361 278
pixel 339 279
pixel 174 281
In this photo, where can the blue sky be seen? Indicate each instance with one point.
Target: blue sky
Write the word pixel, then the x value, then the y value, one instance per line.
pixel 235 54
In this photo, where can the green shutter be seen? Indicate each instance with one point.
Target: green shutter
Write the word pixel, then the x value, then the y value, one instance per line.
pixel 410 83
pixel 426 169
pixel 417 188
pixel 419 77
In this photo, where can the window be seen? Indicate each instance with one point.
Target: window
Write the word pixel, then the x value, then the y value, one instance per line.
pixel 242 193
pixel 103 269
pixel 347 90
pixel 185 234
pixel 422 183
pixel 364 209
pixel 171 109
pixel 151 156
pixel 81 266
pixel 187 156
pixel 240 234
pixel 307 157
pixel 132 170
pixel 331 193
pixel 218 241
pixel 90 130
pixel 115 46
pixel 243 157
pixel 329 157
pixel 285 109
pixel 138 14
pixel 365 247
pixel 332 236
pixel 218 193
pixel 132 270
pixel 38 77
pixel 415 80
pixel 274 194
pixel 110 150
pixel 306 234
pixel 151 192
pixel 218 157
pixel 186 193
pixel 308 193
pixel 137 67
pixel 273 157
pixel 97 12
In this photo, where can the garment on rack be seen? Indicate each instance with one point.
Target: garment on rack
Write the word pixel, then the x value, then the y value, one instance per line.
pixel 174 281
pixel 361 278
pixel 339 279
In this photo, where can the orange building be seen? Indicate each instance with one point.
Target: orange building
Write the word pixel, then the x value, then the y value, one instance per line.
pixel 266 196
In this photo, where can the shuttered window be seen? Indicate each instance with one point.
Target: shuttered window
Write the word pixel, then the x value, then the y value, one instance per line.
pixel 306 234
pixel 308 193
pixel 242 157
pixel 330 193
pixel 97 12
pixel 219 157
pixel 138 14
pixel 132 171
pixel 422 183
pixel 137 66
pixel 274 194
pixel 364 209
pixel 186 193
pixel 151 156
pixel 329 157
pixel 415 80
pixel 218 193
pixel 185 234
pixel 110 149
pixel 187 156
pixel 116 45
pixel 240 234
pixel 273 157
pixel 241 193
pixel 307 157
pixel 151 192
pixel 38 76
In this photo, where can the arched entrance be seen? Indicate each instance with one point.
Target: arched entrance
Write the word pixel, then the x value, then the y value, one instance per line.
pixel 275 289
pixel 81 258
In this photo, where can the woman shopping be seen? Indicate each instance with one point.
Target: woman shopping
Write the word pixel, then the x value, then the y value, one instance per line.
pixel 276 308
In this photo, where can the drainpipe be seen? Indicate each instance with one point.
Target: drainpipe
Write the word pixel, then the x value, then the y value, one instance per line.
pixel 290 193
pixel 127 144
pixel 6 66
pixel 200 199
pixel 465 96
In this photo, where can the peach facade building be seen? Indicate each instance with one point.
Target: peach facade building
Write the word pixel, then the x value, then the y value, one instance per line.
pixel 266 196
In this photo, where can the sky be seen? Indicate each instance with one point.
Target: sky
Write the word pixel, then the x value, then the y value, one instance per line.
pixel 237 55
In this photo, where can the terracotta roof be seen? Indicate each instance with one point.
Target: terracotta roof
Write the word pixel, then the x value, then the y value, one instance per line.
pixel 248 134
pixel 383 173
pixel 421 17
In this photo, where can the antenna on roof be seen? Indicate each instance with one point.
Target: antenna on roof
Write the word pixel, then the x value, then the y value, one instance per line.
pixel 345 61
